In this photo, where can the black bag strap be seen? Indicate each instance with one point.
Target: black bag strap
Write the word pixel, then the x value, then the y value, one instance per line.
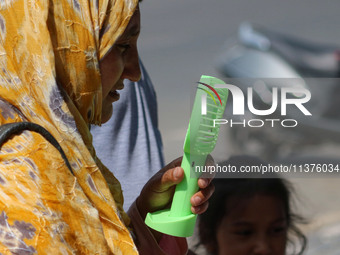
pixel 10 129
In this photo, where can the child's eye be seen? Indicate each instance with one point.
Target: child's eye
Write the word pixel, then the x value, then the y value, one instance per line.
pixel 278 230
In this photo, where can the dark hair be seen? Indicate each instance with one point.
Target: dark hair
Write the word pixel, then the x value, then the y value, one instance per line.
pixel 242 189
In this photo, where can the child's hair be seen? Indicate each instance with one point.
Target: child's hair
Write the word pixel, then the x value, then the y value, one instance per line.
pixel 242 189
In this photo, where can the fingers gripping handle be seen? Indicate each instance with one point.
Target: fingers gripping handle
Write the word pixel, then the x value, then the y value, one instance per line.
pixel 181 205
pixel 179 220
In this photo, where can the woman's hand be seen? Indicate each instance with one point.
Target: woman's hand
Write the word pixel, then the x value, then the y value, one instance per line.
pixel 158 191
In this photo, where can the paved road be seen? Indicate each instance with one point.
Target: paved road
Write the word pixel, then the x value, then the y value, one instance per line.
pixel 179 41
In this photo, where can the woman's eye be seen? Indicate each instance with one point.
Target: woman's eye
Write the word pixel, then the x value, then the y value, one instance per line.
pixel 123 46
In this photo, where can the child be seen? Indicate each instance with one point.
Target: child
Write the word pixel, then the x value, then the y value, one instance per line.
pixel 249 216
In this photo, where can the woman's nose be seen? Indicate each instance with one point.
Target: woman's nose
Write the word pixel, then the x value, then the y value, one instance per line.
pixel 131 68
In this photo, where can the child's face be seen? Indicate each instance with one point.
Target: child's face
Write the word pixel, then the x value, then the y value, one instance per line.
pixel 254 227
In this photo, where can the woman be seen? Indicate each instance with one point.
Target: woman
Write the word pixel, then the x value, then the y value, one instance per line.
pixel 62 63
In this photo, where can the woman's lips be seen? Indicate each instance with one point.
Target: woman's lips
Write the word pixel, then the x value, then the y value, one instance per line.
pixel 114 95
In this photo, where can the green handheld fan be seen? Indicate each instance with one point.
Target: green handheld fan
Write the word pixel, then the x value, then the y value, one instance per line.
pixel 200 140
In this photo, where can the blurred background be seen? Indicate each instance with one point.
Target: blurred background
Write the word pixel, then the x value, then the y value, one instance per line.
pixel 180 41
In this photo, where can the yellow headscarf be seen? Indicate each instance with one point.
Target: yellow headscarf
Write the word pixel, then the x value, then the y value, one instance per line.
pixel 49 61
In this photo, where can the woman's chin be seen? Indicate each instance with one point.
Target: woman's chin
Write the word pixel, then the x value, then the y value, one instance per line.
pixel 106 114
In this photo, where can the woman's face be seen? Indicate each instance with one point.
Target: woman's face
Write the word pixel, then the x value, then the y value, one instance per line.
pixel 257 226
pixel 119 64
